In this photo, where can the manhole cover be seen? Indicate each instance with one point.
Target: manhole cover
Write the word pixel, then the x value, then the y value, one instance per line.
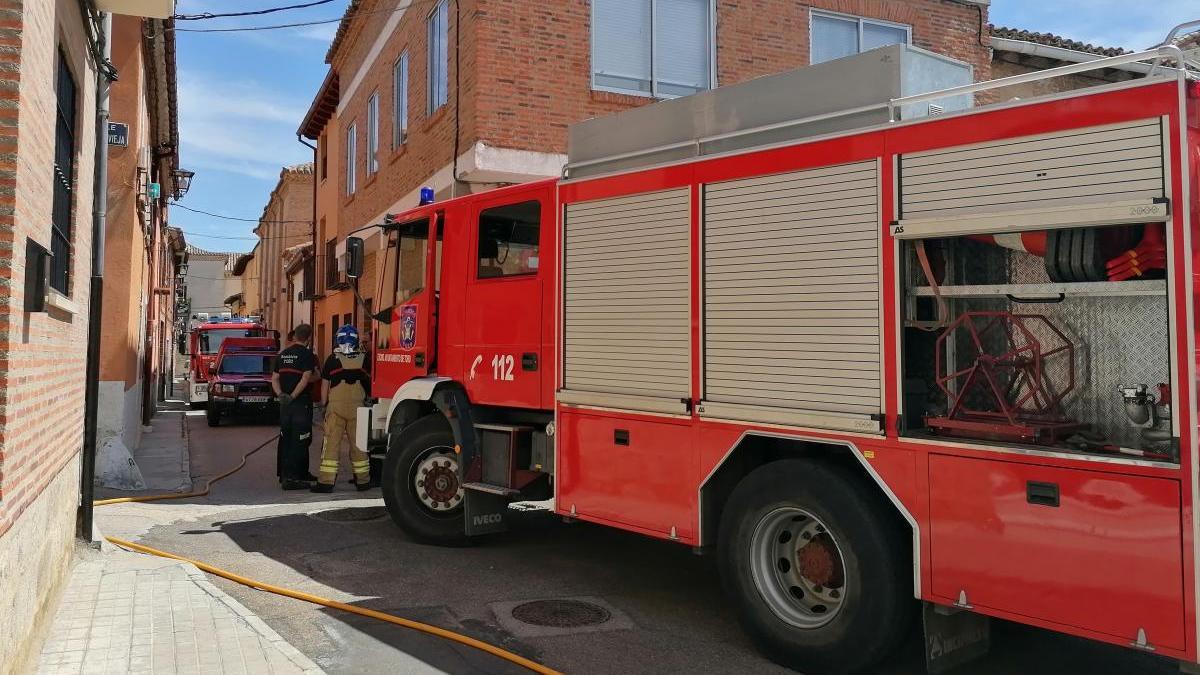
pixel 351 515
pixel 560 613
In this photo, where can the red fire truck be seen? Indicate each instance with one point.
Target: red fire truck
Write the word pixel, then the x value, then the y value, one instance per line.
pixel 204 343
pixel 934 347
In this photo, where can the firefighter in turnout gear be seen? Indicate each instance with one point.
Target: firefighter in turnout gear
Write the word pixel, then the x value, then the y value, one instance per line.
pixel 345 387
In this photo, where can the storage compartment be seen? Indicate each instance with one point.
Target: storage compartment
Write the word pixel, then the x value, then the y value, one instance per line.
pixel 1096 551
pixel 1057 339
pixel 639 472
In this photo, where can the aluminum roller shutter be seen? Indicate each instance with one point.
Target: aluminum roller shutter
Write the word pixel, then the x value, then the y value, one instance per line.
pixel 1093 165
pixel 626 285
pixel 791 297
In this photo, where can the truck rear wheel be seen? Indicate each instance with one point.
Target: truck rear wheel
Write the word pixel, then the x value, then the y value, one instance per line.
pixel 818 569
pixel 420 483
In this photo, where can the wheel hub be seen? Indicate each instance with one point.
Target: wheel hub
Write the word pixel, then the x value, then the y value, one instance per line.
pixel 797 567
pixel 435 480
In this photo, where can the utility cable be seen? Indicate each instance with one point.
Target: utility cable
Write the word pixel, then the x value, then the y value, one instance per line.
pixel 302 24
pixel 177 205
pixel 257 12
pixel 428 629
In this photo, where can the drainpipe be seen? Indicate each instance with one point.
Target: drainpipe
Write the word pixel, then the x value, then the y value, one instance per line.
pixel 96 292
pixel 312 303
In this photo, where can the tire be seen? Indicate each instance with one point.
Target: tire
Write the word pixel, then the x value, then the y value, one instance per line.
pixel 822 619
pixel 425 445
pixel 214 416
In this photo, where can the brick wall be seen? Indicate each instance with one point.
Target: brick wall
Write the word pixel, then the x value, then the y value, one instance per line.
pixel 526 76
pixel 286 222
pixel 42 355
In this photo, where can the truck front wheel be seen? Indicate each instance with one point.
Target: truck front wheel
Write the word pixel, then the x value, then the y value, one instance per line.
pixel 420 483
pixel 817 567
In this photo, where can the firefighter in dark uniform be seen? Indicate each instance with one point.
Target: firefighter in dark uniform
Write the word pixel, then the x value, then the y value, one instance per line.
pixel 346 386
pixel 294 370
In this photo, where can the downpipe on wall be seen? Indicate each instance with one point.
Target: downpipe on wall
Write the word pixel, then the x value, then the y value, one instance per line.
pixel 105 74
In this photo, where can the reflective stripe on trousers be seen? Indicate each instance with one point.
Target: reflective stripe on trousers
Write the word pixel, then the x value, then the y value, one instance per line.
pixel 339 422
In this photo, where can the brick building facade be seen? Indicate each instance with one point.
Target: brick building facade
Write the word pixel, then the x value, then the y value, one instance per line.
pixel 47 159
pixel 142 253
pixel 464 95
pixel 286 222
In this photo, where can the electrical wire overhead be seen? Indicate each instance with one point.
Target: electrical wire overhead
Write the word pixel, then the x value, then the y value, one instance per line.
pixel 257 12
pixel 302 24
pixel 243 220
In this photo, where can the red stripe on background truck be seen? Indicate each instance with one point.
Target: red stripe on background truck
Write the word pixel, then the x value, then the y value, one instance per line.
pixel 864 366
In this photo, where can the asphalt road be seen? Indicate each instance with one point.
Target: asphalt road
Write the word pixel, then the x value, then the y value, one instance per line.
pixel 668 613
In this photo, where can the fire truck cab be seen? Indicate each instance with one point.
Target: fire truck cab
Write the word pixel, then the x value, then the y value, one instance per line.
pixel 203 345
pixel 929 351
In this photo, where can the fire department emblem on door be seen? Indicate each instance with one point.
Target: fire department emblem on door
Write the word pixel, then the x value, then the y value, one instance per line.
pixel 408 327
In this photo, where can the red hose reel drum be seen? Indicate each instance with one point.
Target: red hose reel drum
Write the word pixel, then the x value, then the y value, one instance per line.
pixel 1020 369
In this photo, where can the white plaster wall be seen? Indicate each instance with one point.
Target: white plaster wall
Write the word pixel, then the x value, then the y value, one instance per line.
pixel 207 285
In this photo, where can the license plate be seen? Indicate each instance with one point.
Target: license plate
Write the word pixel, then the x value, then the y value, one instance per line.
pixel 255 399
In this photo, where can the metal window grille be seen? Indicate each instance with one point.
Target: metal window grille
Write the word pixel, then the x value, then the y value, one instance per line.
pixel 64 179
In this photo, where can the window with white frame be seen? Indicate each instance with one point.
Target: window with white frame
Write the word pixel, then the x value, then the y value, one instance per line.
pixel 659 48
pixel 438 25
pixel 400 101
pixel 351 156
pixel 373 134
pixel 838 35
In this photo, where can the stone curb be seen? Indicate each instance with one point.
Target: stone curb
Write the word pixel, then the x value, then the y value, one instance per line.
pixel 259 626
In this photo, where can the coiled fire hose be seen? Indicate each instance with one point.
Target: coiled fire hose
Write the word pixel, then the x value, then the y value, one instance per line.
pixel 307 597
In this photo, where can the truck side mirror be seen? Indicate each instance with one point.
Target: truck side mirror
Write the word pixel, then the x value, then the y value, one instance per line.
pixel 354 257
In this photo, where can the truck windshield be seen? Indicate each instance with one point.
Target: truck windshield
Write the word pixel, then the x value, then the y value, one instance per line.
pixel 246 364
pixel 210 340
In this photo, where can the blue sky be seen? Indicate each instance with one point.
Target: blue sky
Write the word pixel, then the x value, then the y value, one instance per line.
pixel 241 98
pixel 242 95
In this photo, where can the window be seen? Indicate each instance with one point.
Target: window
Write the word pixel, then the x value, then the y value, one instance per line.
pixel 351 156
pixel 331 265
pixel 64 179
pixel 210 340
pixel 411 259
pixel 439 56
pixel 373 134
pixel 324 159
pixel 247 364
pixel 508 240
pixel 657 48
pixel 835 36
pixel 400 101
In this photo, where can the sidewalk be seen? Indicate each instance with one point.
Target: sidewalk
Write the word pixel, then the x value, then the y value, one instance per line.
pixel 131 613
pixel 125 612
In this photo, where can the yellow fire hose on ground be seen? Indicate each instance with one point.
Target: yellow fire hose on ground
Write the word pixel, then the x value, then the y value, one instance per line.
pixel 306 597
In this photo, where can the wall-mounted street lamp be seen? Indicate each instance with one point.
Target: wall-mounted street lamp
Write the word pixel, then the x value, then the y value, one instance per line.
pixel 183 181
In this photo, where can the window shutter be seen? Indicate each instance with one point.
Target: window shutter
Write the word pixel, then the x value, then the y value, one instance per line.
pixel 621 44
pixel 876 35
pixel 833 38
pixel 682 64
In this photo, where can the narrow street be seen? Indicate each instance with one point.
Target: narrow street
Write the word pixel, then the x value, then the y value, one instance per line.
pixel 667 610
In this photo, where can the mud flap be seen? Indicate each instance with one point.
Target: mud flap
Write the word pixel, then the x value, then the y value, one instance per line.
pixel 953 637
pixel 486 513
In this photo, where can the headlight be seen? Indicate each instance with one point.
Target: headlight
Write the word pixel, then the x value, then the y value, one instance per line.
pixel 226 389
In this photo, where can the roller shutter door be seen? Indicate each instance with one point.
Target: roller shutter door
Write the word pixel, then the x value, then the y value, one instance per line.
pixel 1092 165
pixel 626 301
pixel 791 294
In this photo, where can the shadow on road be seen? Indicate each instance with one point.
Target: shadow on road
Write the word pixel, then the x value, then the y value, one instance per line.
pixel 684 622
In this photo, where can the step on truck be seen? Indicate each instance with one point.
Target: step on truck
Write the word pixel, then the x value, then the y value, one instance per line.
pixel 891 356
